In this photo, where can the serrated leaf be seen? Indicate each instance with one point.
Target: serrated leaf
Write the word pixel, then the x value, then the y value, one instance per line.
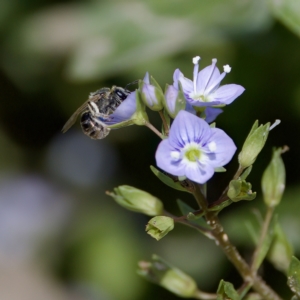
pixel 167 180
pixel 294 276
pixel 226 290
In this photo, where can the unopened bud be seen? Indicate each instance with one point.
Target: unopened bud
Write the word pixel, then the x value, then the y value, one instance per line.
pixel 160 272
pixel 151 93
pixel 174 100
pixel 254 143
pixel 273 179
pixel 137 200
pixel 159 226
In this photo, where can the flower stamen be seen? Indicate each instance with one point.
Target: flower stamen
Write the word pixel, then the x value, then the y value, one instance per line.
pixel 196 69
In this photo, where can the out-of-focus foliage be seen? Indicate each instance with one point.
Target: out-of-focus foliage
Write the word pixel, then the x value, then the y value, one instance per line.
pixel 60 235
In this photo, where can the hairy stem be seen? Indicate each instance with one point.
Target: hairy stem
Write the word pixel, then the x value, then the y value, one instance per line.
pixel 231 252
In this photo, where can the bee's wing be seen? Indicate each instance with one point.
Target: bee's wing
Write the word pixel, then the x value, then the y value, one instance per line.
pixel 73 118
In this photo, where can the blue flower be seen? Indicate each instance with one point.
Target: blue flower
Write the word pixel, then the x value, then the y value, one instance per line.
pixel 193 149
pixel 205 89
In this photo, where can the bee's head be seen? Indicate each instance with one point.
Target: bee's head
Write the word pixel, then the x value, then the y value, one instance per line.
pixel 120 92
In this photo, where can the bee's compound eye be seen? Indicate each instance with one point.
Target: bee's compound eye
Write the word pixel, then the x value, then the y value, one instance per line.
pixel 123 94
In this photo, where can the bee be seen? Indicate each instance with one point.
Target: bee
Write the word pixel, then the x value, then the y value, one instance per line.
pixel 96 110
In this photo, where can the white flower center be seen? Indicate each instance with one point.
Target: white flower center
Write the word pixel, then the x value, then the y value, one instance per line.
pixel 192 153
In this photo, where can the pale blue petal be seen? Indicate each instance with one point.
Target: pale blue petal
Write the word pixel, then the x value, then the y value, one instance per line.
pixel 206 77
pixel 225 148
pixel 188 128
pixel 187 85
pixel 147 78
pixel 124 111
pixel 171 96
pixel 189 108
pixel 176 76
pixel 202 103
pixel 199 173
pixel 212 113
pixel 227 93
pixel 165 162
pixel 149 93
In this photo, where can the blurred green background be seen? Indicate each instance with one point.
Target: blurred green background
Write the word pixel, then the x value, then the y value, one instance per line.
pixel 61 237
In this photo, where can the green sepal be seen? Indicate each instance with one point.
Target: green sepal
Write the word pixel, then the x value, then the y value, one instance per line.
pixel 281 251
pixel 167 180
pixel 213 125
pixel 122 124
pixel 240 190
pixel 159 226
pixel 220 170
pixel 140 116
pixel 253 144
pixel 227 291
pixel 265 247
pixel 154 83
pixel 294 276
pixel 246 173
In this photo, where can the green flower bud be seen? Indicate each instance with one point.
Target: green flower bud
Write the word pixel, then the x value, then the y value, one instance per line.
pixel 137 200
pixel 160 272
pixel 174 100
pixel 159 226
pixel 273 179
pixel 254 143
pixel 240 190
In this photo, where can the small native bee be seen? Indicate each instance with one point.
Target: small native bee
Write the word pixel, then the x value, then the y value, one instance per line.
pixel 96 110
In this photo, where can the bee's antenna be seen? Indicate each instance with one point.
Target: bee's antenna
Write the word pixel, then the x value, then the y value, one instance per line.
pixel 131 83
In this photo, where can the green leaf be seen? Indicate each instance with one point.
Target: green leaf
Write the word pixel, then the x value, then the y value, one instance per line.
pixel 281 251
pixel 294 276
pixel 226 290
pixel 167 180
pixel 288 12
pixel 219 207
pixel 246 173
pixel 266 244
pixel 187 210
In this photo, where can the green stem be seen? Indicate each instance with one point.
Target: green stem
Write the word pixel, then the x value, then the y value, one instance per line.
pixel 151 127
pixel 263 234
pixel 204 296
pixel 165 124
pixel 233 255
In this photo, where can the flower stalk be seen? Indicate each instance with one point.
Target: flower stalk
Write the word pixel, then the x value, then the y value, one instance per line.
pixel 232 254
